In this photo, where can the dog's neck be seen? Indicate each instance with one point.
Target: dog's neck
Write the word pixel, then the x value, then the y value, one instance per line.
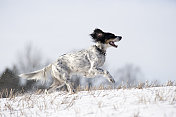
pixel 101 48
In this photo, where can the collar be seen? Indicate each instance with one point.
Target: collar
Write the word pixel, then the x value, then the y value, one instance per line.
pixel 101 50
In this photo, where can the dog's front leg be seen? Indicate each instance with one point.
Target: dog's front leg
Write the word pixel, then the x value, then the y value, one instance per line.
pixel 96 71
pixel 108 75
pixel 68 83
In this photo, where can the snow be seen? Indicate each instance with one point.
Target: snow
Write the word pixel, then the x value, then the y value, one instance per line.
pixel 147 102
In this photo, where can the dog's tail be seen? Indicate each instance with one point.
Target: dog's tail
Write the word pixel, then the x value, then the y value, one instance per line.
pixel 42 74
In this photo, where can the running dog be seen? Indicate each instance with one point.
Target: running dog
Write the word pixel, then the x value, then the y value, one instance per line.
pixel 86 62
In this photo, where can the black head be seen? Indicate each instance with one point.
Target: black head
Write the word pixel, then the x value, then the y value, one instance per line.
pixel 105 37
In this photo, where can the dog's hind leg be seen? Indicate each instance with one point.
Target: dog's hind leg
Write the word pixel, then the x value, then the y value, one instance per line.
pixel 55 85
pixel 59 84
pixel 61 73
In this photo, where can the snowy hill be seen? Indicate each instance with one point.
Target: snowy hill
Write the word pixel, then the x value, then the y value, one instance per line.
pixel 148 102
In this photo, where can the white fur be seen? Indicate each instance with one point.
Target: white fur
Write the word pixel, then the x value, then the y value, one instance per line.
pixel 86 62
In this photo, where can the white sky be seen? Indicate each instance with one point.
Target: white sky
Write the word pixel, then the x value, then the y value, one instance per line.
pixel 55 27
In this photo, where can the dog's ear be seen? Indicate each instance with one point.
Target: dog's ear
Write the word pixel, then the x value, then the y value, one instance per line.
pixel 97 35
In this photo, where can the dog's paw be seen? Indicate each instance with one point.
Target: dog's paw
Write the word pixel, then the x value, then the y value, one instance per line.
pixel 111 80
pixel 72 91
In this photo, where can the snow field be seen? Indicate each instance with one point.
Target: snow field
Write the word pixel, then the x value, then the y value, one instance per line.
pixel 147 102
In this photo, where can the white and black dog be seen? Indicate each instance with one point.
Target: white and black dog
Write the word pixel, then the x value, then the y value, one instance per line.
pixel 86 62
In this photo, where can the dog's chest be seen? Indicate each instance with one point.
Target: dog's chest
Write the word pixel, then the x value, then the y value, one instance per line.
pixel 100 60
pixel 96 57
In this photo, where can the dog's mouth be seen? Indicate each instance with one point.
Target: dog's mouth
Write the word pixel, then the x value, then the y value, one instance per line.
pixel 112 43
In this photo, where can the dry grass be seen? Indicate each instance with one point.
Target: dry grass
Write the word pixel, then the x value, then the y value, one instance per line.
pixel 136 114
pixel 39 100
pixel 122 85
pixel 140 85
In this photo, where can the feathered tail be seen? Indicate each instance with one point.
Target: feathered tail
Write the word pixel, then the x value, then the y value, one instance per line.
pixel 42 74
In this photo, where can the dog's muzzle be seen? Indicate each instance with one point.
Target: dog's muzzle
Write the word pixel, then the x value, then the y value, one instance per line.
pixel 112 43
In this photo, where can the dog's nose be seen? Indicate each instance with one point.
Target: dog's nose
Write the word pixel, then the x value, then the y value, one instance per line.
pixel 120 37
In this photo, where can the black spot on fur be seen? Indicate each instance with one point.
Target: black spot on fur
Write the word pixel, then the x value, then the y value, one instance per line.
pixel 99 36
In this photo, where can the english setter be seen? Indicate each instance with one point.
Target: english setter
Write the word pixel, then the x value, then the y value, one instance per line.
pixel 86 62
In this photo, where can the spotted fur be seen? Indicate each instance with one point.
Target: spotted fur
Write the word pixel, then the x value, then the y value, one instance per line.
pixel 87 62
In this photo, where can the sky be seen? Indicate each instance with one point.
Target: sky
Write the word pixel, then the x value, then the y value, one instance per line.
pixel 56 27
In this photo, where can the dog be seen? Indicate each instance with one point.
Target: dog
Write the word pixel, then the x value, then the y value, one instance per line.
pixel 87 62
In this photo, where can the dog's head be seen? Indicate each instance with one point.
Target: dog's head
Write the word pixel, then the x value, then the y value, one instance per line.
pixel 105 38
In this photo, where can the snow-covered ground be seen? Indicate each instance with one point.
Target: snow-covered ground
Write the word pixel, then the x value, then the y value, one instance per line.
pixel 148 102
